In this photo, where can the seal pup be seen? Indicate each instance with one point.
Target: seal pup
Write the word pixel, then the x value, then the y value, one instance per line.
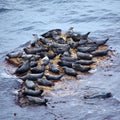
pixel 37 100
pixel 45 82
pixel 53 77
pixel 69 71
pixel 53 68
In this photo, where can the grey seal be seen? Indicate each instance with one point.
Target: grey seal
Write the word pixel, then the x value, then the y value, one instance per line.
pixel 69 71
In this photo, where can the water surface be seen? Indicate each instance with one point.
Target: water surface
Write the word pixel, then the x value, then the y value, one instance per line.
pixel 20 19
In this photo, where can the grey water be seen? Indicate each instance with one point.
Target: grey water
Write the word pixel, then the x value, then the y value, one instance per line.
pixel 19 19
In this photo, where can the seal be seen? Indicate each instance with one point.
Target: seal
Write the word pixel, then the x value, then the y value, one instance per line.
pixel 53 68
pixel 37 100
pixel 72 44
pixel 58 38
pixel 60 50
pixel 81 68
pixel 57 45
pixel 82 42
pixel 35 57
pixel 30 84
pixel 14 54
pixel 51 56
pixel 84 62
pixel 64 63
pixel 35 50
pixel 100 52
pixel 53 77
pixel 67 53
pixel 49 34
pixel 69 33
pixel 86 49
pixel 100 96
pixel 85 36
pixel 68 59
pixel 45 41
pixel 26 56
pixel 101 42
pixel 84 56
pixel 69 71
pixel 32 77
pixel 76 38
pixel 32 92
pixel 42 54
pixel 45 82
pixel 45 61
pixel 38 70
pixel 23 68
pixel 33 64
pixel 34 41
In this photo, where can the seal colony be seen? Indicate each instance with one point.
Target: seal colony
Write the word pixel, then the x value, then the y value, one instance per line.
pixel 52 57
